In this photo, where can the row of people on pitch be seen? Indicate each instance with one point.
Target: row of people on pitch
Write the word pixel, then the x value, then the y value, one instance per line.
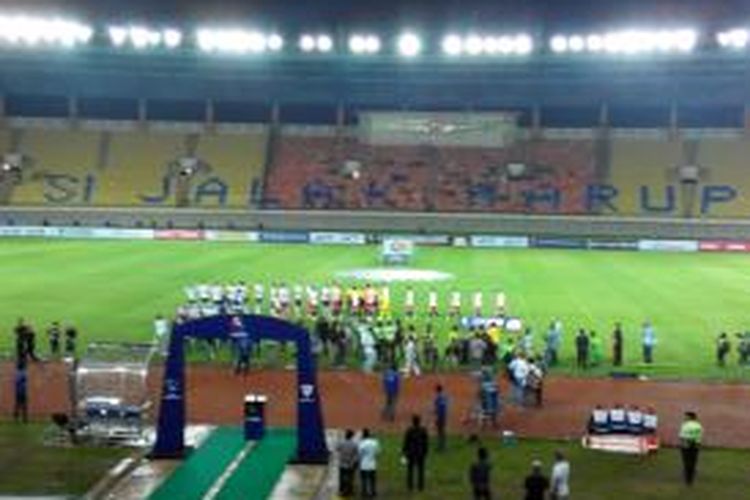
pixel 623 420
pixel 335 298
pixel 26 345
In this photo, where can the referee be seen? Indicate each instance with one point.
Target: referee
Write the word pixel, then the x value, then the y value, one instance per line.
pixel 691 435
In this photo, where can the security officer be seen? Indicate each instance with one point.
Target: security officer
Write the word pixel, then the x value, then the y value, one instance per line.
pixel 691 435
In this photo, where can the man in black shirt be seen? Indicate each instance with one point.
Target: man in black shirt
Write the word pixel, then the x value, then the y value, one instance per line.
pixel 617 345
pixel 479 476
pixel 536 484
pixel 53 335
pixel 582 349
pixel 20 332
pixel 71 334
pixel 414 449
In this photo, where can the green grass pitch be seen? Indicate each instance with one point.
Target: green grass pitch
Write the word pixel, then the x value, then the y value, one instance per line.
pixel 112 290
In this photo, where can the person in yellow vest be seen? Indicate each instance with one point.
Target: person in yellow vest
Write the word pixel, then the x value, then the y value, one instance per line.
pixel 493 331
pixel 691 435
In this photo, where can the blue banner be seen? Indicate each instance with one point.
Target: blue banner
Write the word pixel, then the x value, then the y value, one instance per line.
pixel 552 242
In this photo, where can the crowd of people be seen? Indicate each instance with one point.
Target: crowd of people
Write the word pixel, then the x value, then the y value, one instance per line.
pixel 361 455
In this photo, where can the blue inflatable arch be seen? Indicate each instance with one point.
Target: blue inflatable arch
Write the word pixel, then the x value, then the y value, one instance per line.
pixel 170 437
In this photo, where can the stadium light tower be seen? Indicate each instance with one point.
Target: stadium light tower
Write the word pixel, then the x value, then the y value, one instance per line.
pixel 409 45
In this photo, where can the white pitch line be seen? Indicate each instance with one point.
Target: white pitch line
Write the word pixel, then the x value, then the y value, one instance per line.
pixel 221 480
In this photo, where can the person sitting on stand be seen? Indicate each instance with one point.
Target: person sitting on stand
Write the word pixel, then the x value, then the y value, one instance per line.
pixel 634 417
pixel 650 422
pixel 617 420
pixel 599 421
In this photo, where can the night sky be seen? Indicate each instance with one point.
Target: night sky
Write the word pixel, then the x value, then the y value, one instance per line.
pixel 420 14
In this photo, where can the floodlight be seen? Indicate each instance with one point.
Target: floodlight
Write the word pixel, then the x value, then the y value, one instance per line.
pixel 255 42
pixel 505 45
pixel 474 45
pixel 686 39
pixel 594 43
pixel 523 44
pixel 409 45
pixel 275 42
pixel 372 44
pixel 559 43
pixel 307 43
pixel 140 37
pixel 357 44
pixel 117 35
pixel 735 38
pixel 452 45
pixel 576 43
pixel 490 45
pixel 324 43
pixel 172 38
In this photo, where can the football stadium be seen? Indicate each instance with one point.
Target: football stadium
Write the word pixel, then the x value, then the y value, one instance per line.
pixel 391 249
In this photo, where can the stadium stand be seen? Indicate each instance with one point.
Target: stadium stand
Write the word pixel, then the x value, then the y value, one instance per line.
pixel 136 166
pixel 119 165
pixel 724 162
pixel 642 161
pixel 59 157
pixel 340 172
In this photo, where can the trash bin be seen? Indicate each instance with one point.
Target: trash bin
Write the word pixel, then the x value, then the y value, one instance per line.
pixel 255 416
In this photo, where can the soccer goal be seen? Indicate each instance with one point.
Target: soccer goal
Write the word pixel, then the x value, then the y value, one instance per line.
pixel 111 390
pixel 397 251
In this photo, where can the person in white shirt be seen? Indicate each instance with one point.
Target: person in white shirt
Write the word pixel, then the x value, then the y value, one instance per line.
pixel 650 421
pixel 312 301
pixel 259 292
pixel 500 304
pixel 204 292
pixel 411 366
pixel 519 367
pixel 409 302
pixel 432 303
pixel 284 298
pixel 478 304
pixel 325 296
pixel 217 294
pixel 369 448
pixel 455 305
pixel 560 489
pixel 191 292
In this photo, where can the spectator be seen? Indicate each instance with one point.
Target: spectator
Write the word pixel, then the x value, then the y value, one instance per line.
pixel 649 342
pixel 599 421
pixel 536 483
pixel 650 422
pixel 391 387
pixel 71 335
pixel 691 436
pixel 723 346
pixel 53 336
pixel 535 382
pixel 414 449
pixel 441 416
pixel 479 476
pixel 368 449
pixel 617 345
pixel 554 337
pixel 519 369
pixel 582 349
pixel 560 488
pixel 348 452
pixel 411 365
pixel 21 407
